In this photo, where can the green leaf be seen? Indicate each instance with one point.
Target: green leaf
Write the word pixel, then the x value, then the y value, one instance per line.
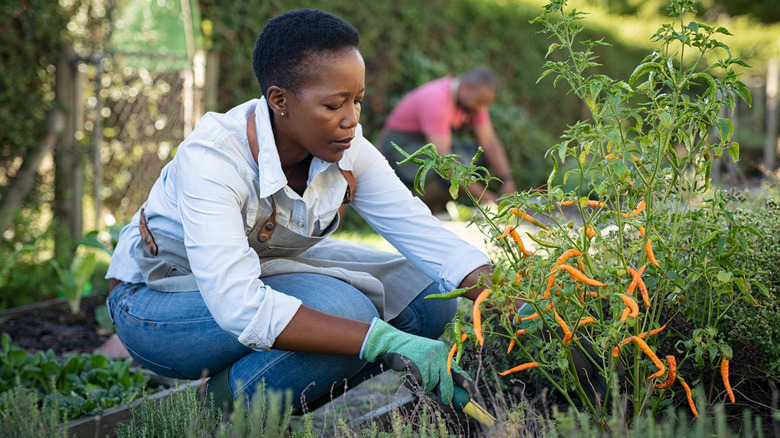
pixel 454 189
pixel 725 129
pixel 98 361
pixel 724 276
pixel 744 92
pixel 666 120
pixel 734 151
pixel 726 351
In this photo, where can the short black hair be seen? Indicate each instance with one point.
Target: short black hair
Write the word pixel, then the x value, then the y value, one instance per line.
pixel 286 40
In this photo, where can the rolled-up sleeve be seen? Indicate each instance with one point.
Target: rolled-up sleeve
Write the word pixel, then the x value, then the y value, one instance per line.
pixel 210 196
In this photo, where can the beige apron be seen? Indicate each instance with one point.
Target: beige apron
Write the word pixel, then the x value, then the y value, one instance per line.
pixel 389 280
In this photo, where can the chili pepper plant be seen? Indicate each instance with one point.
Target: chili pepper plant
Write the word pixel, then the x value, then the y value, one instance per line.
pixel 614 250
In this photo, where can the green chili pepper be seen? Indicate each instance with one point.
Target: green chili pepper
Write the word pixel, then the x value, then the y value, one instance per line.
pixel 449 295
pixel 541 242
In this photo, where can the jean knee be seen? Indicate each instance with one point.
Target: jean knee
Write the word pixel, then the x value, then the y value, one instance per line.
pixel 440 318
pixel 353 305
pixel 424 317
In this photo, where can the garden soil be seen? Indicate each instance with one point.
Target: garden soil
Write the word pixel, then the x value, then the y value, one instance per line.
pixel 51 326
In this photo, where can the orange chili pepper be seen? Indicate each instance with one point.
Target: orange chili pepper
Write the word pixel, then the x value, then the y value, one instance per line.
pixel 672 373
pixel 567 203
pixel 523 215
pixel 550 280
pixel 651 254
pixel 587 320
pixel 690 398
pixel 637 210
pixel 632 308
pixel 518 278
pixel 578 275
pixel 531 316
pixel 651 332
pixel 641 283
pixel 506 232
pixel 642 231
pixel 569 253
pixel 590 294
pixel 567 332
pixel 452 353
pixel 521 367
pixel 649 352
pixel 516 236
pixel 590 232
pixel 592 203
pixel 724 373
pixel 635 277
pixel 512 342
pixel 642 335
pixel 634 157
pixel 609 156
pixel 476 315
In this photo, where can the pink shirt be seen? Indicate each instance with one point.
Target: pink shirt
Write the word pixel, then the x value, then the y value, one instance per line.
pixel 431 110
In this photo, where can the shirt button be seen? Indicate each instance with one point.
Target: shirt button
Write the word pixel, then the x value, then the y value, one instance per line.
pixel 300 224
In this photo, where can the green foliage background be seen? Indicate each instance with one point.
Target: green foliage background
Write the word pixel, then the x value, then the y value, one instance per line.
pixel 31 35
pixel 406 43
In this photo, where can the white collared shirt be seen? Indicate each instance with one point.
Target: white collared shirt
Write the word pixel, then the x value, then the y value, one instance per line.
pixel 209 196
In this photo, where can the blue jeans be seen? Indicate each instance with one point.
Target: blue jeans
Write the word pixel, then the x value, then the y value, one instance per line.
pixel 174 335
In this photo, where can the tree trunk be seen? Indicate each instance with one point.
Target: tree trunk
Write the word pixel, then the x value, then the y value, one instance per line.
pixel 68 168
pixel 770 142
pixel 22 183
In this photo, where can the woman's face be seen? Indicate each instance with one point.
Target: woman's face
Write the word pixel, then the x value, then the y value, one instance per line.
pixel 321 117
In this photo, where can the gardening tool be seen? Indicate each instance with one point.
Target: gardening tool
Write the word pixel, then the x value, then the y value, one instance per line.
pixel 460 398
pixel 463 402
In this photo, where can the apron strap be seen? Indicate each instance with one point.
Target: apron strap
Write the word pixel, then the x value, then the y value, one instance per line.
pixel 270 224
pixel 350 193
pixel 146 235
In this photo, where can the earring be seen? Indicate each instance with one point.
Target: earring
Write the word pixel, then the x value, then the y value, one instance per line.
pixel 281 113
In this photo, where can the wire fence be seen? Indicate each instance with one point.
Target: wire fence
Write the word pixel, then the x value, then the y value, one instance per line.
pixel 136 117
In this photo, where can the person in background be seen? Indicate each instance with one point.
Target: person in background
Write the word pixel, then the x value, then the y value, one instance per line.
pixel 227 269
pixel 431 113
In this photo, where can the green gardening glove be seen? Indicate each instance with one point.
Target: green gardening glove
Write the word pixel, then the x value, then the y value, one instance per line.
pixel 425 359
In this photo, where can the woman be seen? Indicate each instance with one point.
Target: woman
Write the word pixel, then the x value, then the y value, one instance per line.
pixel 227 269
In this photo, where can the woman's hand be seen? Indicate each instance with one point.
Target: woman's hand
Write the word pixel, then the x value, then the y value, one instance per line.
pixel 472 280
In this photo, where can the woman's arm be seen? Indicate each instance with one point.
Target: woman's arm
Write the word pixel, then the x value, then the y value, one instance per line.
pixel 313 331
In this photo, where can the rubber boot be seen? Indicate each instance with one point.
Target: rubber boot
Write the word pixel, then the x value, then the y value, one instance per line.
pixel 218 390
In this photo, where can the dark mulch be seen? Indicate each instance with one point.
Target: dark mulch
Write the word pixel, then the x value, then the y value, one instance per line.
pixel 51 325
